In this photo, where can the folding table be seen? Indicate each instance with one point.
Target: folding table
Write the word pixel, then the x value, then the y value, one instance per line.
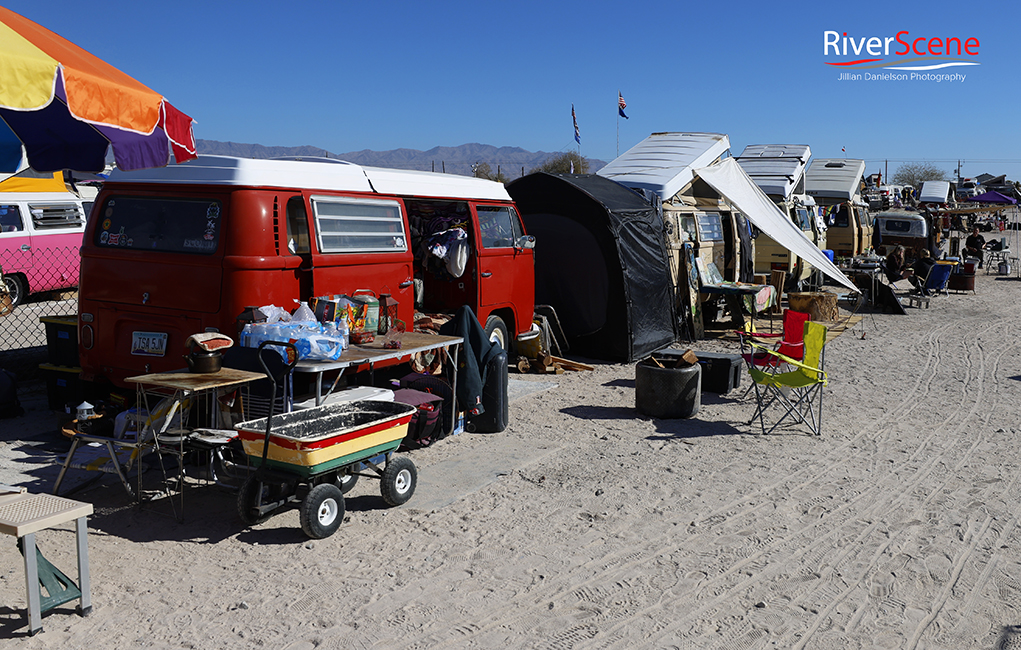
pixel 22 515
pixel 372 353
pixel 181 388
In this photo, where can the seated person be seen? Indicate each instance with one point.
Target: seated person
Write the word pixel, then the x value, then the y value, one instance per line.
pixel 921 269
pixel 974 244
pixel 896 268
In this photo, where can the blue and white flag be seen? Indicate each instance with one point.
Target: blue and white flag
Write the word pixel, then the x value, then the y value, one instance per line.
pixel 577 133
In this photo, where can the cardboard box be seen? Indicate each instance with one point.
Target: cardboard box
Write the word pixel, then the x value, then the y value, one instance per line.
pixel 326 308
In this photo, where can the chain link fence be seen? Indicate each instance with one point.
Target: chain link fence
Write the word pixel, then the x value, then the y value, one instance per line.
pixel 37 283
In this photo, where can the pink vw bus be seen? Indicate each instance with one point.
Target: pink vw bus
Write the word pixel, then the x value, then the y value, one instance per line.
pixel 40 241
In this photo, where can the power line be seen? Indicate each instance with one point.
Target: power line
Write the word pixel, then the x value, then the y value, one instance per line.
pixel 1010 161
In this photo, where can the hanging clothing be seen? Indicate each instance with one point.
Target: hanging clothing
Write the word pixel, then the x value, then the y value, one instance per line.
pixel 476 352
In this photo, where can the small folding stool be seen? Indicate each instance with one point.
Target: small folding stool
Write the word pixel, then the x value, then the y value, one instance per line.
pixel 22 515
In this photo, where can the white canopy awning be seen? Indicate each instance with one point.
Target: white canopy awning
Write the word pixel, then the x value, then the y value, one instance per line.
pixel 727 178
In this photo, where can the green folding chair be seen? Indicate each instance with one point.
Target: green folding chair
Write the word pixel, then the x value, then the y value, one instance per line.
pixel 791 387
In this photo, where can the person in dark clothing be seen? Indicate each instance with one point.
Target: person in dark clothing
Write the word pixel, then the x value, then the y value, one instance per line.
pixel 921 269
pixel 974 244
pixel 896 268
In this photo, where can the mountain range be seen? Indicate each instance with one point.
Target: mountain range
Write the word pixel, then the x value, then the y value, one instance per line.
pixel 512 162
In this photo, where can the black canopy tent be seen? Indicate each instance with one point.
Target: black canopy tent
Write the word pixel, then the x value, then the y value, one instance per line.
pixel 600 261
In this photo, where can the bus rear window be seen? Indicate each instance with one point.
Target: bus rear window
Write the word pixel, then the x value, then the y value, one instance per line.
pixel 171 225
pixel 896 225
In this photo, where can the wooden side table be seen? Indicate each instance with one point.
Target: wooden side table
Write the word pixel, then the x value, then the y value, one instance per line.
pixel 22 515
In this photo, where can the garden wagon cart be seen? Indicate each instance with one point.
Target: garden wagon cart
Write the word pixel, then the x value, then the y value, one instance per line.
pixel 312 456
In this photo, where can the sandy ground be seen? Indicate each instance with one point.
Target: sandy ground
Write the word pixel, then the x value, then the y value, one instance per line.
pixel 586 525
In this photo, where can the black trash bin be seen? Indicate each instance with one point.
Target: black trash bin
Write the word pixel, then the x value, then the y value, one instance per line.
pixel 668 393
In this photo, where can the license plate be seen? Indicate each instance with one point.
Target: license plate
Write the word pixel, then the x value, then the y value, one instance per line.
pixel 149 344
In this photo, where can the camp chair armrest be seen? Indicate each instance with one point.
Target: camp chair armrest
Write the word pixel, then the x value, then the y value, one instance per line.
pixel 758 335
pixel 786 359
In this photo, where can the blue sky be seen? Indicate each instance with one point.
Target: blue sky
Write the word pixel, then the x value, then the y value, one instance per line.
pixel 347 76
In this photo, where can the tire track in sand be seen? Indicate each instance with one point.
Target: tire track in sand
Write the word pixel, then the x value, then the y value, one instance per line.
pixel 653 548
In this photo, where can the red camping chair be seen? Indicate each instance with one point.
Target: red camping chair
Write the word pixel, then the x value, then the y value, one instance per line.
pixel 791 343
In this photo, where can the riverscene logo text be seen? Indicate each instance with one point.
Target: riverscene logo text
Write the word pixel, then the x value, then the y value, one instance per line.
pixel 921 56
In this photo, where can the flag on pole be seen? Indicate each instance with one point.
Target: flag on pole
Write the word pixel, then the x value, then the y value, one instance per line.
pixel 621 105
pixel 843 149
pixel 577 133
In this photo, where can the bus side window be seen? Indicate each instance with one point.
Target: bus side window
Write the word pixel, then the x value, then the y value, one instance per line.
pixel 10 219
pixel 297 227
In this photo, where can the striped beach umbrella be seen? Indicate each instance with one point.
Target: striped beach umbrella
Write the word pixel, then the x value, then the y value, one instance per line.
pixel 63 108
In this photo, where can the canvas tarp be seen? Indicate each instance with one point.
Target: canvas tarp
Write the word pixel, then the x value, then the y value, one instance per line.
pixel 30 180
pixel 727 178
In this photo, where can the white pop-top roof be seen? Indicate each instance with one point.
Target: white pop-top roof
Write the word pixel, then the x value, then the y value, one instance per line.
pixel 321 174
pixel 934 192
pixel 39 197
pixel 834 178
pixel 776 168
pixel 664 162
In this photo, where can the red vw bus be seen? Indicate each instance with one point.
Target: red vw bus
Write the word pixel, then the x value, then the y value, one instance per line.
pixel 177 250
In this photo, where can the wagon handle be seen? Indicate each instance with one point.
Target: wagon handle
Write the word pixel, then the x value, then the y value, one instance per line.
pixel 292 360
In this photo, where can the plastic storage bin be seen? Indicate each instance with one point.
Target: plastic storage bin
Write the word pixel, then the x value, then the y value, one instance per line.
pixel 61 340
pixel 721 373
pixel 351 394
pixel 63 387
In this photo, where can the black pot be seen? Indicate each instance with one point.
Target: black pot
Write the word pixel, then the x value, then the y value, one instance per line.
pixel 667 393
pixel 204 361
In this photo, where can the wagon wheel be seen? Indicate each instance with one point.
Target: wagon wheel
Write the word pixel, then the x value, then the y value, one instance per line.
pixel 254 493
pixel 398 481
pixel 322 511
pixel 346 482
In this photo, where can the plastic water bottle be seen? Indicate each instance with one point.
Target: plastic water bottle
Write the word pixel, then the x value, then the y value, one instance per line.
pixel 344 333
